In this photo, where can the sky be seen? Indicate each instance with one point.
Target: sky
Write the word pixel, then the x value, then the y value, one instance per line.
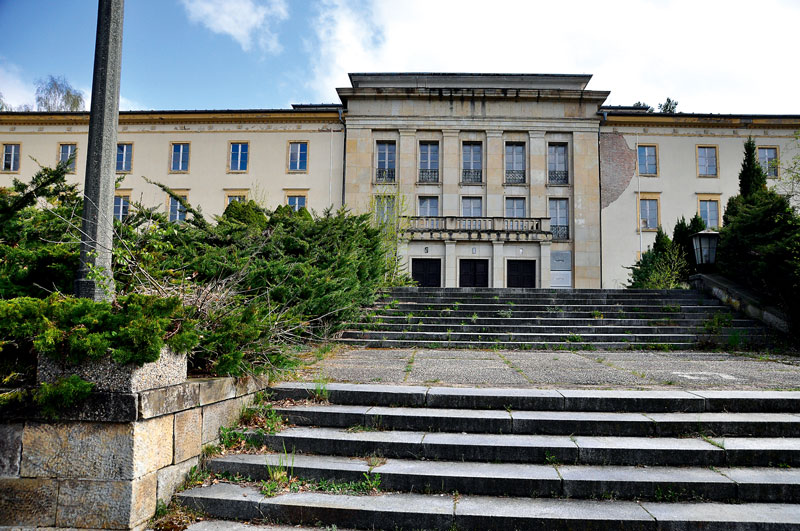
pixel 711 56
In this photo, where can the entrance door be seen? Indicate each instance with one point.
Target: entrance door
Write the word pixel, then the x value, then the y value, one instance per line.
pixel 427 272
pixel 474 274
pixel 521 274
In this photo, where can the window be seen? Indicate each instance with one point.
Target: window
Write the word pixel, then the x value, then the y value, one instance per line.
pixel 298 156
pixel 235 196
pixel 559 218
pixel 768 157
pixel 557 164
pixel 709 211
pixel 648 160
pixel 121 206
pixel 429 162
pixel 177 214
pixel 66 153
pixel 648 214
pixel 515 162
pixel 238 156
pixel 707 161
pixel 472 207
pixel 384 208
pixel 472 171
pixel 429 206
pixel 124 157
pixel 296 201
pixel 515 207
pixel 10 157
pixel 384 168
pixel 180 158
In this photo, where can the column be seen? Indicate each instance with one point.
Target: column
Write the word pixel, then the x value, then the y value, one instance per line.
pixel 498 263
pixel 537 164
pixel 494 173
pixel 450 159
pixel 544 265
pixel 450 279
pixel 407 171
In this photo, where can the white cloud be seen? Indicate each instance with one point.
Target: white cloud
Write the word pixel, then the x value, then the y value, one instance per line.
pixel 15 89
pixel 246 21
pixel 126 104
pixel 711 56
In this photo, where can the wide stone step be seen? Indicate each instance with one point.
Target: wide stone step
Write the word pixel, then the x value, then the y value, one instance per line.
pixel 586 313
pixel 562 328
pixel 413 290
pixel 583 450
pixel 597 336
pixel 419 511
pixel 555 308
pixel 674 401
pixel 544 422
pixel 506 345
pixel 549 320
pixel 548 480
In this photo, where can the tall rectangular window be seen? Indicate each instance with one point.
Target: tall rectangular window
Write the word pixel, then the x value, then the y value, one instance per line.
pixel 384 208
pixel 515 162
pixel 66 153
pixel 180 157
pixel 429 162
pixel 472 156
pixel 121 206
pixel 429 206
pixel 768 157
pixel 177 214
pixel 296 202
pixel 472 207
pixel 10 157
pixel 557 164
pixel 298 156
pixel 515 207
pixel 707 161
pixel 648 214
pixel 648 160
pixel 124 157
pixel 709 211
pixel 238 156
pixel 235 197
pixel 559 218
pixel 384 168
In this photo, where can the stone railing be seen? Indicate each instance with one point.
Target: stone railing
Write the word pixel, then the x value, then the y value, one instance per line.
pixel 458 227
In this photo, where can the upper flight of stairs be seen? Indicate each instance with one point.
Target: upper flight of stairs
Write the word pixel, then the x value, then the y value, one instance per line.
pixel 465 458
pixel 548 318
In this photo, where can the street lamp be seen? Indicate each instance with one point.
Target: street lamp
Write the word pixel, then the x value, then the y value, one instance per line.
pixel 705 249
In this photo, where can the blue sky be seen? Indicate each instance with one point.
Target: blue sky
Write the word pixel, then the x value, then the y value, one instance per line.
pixel 712 56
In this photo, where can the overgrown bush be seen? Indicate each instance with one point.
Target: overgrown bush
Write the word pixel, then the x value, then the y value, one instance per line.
pixel 662 267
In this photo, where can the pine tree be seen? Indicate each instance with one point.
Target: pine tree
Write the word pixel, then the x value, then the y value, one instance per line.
pixel 751 177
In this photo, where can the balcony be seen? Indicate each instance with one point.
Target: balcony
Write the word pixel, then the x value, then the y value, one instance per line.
pixel 515 176
pixel 476 228
pixel 560 232
pixel 472 176
pixel 384 175
pixel 557 177
pixel 428 176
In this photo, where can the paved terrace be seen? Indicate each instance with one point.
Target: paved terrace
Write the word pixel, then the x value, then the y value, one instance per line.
pixel 560 369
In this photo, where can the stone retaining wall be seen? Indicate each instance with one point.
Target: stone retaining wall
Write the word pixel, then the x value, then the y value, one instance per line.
pixel 105 465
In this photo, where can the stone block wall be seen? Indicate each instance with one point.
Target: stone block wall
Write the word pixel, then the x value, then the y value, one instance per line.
pixel 87 471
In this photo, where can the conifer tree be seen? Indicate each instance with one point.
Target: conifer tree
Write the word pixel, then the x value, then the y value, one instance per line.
pixel 751 177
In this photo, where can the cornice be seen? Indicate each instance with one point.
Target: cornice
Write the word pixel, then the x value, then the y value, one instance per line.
pixel 591 96
pixel 173 117
pixel 705 121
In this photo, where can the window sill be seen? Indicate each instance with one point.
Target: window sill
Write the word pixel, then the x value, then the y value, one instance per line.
pixel 296 171
pixel 179 171
pixel 471 184
pixel 236 171
pixel 649 175
pixel 558 185
pixel 708 176
pixel 428 183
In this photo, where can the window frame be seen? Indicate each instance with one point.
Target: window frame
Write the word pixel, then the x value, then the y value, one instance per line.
pixel 716 161
pixel 230 156
pixel 73 167
pixel 566 145
pixel 235 192
pixel 130 157
pixel 566 201
pixel 515 198
pixel 295 192
pixel 777 158
pixel 638 166
pixel 188 158
pixel 710 197
pixel 428 197
pixel 184 193
pixel 472 144
pixel 378 161
pixel 298 142
pixel 124 193
pixel 647 196
pixel 472 197
pixel 382 214
pixel 18 158
pixel 524 161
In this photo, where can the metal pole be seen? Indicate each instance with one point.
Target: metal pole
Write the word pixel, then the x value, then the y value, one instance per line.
pixel 95 279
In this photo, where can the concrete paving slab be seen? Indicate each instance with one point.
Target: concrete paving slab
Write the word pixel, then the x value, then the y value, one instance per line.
pixel 760 451
pixel 436 419
pixel 224 500
pixel 728 424
pixel 780 485
pixel 494 398
pixel 257 466
pixel 722 516
pixel 648 451
pixel 622 400
pixel 496 448
pixel 646 482
pixel 478 512
pixel 582 423
pixel 333 415
pixel 340 442
pixel 751 401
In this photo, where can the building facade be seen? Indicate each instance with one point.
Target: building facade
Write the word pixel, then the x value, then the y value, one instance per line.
pixel 517 180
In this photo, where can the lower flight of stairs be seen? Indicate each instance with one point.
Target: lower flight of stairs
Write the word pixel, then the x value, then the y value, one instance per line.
pixel 474 458
pixel 548 318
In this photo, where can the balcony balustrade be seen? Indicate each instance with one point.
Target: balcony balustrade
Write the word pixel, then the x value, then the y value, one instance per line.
pixel 515 176
pixel 560 232
pixel 384 175
pixel 460 227
pixel 558 177
pixel 472 176
pixel 428 176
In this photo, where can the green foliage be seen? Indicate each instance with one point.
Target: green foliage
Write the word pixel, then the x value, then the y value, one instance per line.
pixel 668 106
pixel 752 178
pixel 662 267
pixel 63 394
pixel 682 237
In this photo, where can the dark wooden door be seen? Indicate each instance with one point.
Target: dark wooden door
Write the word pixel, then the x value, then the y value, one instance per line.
pixel 521 274
pixel 427 272
pixel 474 274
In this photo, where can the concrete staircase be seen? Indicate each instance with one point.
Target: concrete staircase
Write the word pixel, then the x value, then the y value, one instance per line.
pixel 466 458
pixel 535 319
